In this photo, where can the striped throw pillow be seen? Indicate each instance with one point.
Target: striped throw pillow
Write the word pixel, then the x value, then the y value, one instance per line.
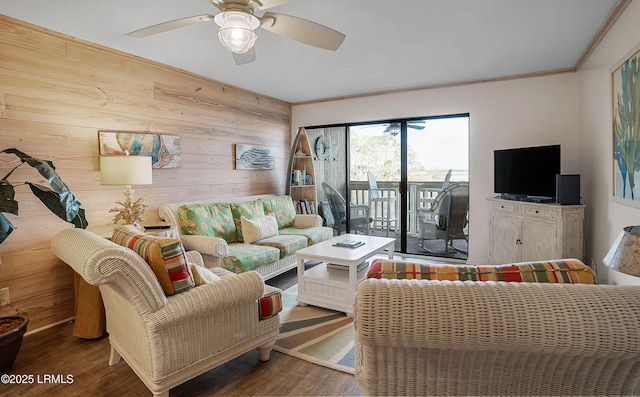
pixel 164 255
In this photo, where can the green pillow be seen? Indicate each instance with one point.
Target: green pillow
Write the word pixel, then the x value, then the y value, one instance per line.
pixel 282 207
pixel 212 220
pixel 250 210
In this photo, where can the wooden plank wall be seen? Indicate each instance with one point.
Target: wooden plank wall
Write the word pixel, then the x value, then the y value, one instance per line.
pixel 57 92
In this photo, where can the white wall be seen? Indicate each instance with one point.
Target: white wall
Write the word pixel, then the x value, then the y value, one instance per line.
pixel 503 114
pixel 605 218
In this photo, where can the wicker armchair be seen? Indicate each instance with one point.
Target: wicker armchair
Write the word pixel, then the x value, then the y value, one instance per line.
pixel 168 340
pixel 437 338
pixel 358 213
pixel 446 218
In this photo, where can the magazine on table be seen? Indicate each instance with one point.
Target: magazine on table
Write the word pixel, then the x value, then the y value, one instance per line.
pixel 349 243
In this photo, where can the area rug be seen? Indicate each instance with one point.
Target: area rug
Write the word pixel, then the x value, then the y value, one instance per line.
pixel 316 335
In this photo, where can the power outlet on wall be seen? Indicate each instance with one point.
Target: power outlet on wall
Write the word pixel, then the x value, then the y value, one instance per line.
pixel 4 296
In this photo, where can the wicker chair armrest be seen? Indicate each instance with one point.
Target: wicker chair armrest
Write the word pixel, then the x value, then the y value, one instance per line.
pixel 209 299
pixel 206 245
pixel 100 261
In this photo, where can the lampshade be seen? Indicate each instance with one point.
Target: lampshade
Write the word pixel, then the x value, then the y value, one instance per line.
pixel 624 254
pixel 125 170
pixel 237 30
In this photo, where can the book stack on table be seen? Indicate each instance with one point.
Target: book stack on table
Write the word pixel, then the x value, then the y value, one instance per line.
pixel 349 243
pixel 359 268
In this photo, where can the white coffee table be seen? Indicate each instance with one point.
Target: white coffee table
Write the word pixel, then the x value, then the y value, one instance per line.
pixel 335 288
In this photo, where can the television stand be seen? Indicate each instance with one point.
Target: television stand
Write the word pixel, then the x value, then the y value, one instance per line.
pixel 522 231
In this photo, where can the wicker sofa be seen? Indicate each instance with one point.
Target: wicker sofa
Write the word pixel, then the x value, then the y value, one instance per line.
pixel 166 337
pixel 215 229
pixel 428 335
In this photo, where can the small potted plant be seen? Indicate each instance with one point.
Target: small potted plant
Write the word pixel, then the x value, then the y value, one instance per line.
pixel 63 203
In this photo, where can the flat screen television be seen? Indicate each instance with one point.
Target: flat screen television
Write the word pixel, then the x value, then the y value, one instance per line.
pixel 527 173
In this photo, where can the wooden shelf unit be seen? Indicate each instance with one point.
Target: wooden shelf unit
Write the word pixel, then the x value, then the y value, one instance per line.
pixel 302 177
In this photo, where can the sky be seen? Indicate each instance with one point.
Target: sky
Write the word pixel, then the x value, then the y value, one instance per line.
pixel 442 145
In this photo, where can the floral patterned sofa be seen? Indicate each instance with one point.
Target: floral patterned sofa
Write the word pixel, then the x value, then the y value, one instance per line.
pixel 260 233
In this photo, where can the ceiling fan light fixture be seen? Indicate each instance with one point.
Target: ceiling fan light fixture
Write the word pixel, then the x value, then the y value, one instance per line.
pixel 237 30
pixel 393 129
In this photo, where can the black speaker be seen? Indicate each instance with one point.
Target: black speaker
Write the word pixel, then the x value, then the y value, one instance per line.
pixel 568 189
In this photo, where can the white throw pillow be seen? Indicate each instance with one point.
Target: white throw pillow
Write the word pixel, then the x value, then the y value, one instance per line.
pixel 202 275
pixel 258 228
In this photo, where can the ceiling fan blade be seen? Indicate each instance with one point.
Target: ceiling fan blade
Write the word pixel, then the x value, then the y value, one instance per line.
pixel 216 3
pixel 245 57
pixel 302 30
pixel 170 25
pixel 415 124
pixel 270 3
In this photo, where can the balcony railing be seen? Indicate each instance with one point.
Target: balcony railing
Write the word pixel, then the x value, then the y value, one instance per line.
pixel 421 195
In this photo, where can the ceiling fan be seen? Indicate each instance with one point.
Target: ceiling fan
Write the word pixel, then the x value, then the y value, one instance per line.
pixel 238 22
pixel 394 128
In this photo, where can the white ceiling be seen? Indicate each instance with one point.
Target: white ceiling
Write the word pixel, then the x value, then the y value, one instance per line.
pixel 390 45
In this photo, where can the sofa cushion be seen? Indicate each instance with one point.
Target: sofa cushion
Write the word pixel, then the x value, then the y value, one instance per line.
pixel 314 235
pixel 211 220
pixel 282 207
pixel 243 257
pixel 258 228
pixel 286 244
pixel 164 255
pixel 250 210
pixel 570 271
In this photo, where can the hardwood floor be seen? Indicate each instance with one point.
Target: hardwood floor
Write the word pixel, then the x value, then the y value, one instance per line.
pixel 84 362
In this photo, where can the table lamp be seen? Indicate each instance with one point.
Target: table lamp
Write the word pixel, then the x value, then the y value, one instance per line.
pixel 624 254
pixel 127 170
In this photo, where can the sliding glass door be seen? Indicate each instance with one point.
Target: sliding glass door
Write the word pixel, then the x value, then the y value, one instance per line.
pixel 437 190
pixel 401 178
pixel 402 170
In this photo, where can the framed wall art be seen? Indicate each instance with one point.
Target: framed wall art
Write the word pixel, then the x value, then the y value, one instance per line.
pixel 252 157
pixel 164 150
pixel 625 87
